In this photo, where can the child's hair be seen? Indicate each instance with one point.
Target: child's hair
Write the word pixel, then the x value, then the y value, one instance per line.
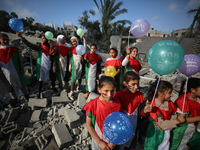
pixel 162 87
pixel 193 83
pixel 106 80
pixel 128 76
pixel 3 35
pixel 131 49
pixel 93 45
pixel 114 48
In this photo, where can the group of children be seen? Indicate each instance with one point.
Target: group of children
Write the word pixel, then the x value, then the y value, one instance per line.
pixel 169 126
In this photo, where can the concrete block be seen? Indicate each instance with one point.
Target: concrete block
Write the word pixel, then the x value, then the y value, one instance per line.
pixel 59 100
pixel 36 115
pixel 52 145
pixel 47 94
pixel 143 71
pixel 10 127
pixel 41 142
pixel 72 118
pixel 43 102
pixel 62 135
pixel 81 100
pixel 38 132
pixel 3 116
pixel 92 96
pixel 37 125
pixel 13 114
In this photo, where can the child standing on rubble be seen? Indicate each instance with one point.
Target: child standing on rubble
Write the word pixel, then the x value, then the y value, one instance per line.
pixel 130 62
pixel 98 109
pixel 188 133
pixel 11 71
pixel 43 60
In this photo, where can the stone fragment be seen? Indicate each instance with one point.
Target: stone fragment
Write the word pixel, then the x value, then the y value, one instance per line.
pixel 81 100
pixel 36 115
pixel 33 102
pixel 72 118
pixel 10 127
pixel 41 142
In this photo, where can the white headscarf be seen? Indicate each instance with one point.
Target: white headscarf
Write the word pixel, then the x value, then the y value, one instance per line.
pixel 74 38
pixel 59 38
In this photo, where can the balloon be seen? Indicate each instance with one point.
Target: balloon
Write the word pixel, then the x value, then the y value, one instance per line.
pixel 117 128
pixel 165 57
pixel 80 32
pixel 140 28
pixel 80 50
pixel 110 71
pixel 49 35
pixel 190 65
pixel 16 24
pixel 199 55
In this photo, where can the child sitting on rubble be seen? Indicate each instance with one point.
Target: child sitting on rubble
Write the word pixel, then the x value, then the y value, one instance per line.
pixel 98 109
pixel 11 71
pixel 43 60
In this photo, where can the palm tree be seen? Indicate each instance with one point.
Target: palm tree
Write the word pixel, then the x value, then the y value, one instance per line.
pixel 110 10
pixel 196 23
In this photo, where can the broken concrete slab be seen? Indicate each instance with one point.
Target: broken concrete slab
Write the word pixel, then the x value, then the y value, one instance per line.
pixel 72 118
pixel 43 102
pixel 92 96
pixel 81 101
pixel 36 115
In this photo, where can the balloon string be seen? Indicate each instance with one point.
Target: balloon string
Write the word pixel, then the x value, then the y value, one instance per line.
pixel 155 91
pixel 185 94
pixel 128 39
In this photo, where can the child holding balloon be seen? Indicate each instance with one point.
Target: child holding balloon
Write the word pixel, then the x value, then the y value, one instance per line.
pixel 75 66
pixel 131 100
pixel 11 72
pixel 98 109
pixel 92 69
pixel 130 61
pixel 188 133
pixel 116 63
pixel 43 60
pixel 163 117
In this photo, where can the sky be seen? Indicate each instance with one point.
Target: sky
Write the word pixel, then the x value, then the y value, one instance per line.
pixel 163 15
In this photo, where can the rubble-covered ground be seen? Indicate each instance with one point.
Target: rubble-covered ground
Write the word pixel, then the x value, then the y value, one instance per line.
pixel 55 122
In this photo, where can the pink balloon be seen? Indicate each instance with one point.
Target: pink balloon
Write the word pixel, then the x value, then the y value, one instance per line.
pixel 140 28
pixel 190 65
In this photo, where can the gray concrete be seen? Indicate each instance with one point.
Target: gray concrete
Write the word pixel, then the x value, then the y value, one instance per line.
pixel 72 118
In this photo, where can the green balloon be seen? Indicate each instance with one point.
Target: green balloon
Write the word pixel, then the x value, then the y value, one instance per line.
pixel 80 32
pixel 48 35
pixel 165 57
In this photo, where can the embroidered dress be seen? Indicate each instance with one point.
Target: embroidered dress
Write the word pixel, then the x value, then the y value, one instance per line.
pixel 92 64
pixel 9 63
pixel 187 133
pixel 130 103
pixel 98 110
pixel 158 139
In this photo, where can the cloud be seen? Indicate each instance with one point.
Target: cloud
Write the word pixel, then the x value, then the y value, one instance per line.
pixel 15 6
pixel 173 7
pixel 193 4
pixel 155 17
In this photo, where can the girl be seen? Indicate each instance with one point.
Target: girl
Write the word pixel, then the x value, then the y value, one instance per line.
pixel 98 109
pixel 113 61
pixel 188 132
pixel 11 71
pixel 131 99
pixel 92 69
pixel 43 60
pixel 163 117
pixel 75 66
pixel 131 63
pixel 62 61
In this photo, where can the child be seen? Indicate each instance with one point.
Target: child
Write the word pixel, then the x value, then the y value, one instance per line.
pixel 98 109
pixel 192 110
pixel 62 61
pixel 11 71
pixel 113 61
pixel 75 66
pixel 131 63
pixel 131 99
pixel 92 69
pixel 163 117
pixel 43 60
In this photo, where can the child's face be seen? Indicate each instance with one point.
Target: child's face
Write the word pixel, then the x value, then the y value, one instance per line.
pixel 197 91
pixel 74 42
pixel 92 49
pixel 113 54
pixel 44 39
pixel 107 92
pixel 134 53
pixel 63 40
pixel 132 85
pixel 168 94
pixel 4 41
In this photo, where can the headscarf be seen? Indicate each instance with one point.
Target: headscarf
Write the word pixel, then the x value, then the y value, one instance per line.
pixel 59 38
pixel 74 38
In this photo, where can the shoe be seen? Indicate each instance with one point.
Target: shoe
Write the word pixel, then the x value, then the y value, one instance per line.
pixel 78 88
pixel 86 95
pixel 71 96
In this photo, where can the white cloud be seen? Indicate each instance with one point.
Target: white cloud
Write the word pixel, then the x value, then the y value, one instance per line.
pixel 96 9
pixel 173 6
pixel 22 12
pixel 193 3
pixel 155 17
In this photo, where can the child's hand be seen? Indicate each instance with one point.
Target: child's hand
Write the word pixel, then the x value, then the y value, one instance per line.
pixel 70 69
pixel 128 50
pixel 103 145
pixel 50 43
pixel 147 108
pixel 158 127
pixel 111 145
pixel 18 34
pixel 181 118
